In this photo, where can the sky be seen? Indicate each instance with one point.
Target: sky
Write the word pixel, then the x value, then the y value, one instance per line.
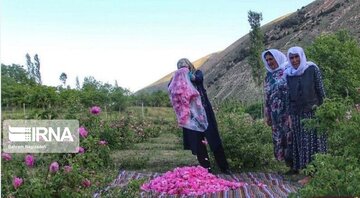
pixel 133 42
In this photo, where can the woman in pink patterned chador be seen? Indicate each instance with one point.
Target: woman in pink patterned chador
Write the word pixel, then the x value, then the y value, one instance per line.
pixel 186 91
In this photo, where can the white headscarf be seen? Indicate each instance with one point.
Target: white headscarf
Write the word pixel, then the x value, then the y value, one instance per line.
pixel 279 57
pixel 304 64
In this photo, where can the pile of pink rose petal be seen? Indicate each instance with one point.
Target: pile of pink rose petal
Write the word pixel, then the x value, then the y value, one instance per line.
pixel 189 181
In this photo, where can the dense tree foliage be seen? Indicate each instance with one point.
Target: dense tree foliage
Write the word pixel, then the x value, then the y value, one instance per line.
pixel 337 173
pixel 256 47
pixel 338 56
pixel 20 88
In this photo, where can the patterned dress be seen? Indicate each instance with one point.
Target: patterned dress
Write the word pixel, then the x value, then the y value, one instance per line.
pixel 276 109
pixel 306 142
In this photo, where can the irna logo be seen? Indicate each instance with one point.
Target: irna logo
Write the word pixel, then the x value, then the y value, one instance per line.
pixel 40 134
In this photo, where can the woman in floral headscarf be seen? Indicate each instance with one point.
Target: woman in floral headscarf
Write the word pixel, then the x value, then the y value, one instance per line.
pixel 186 102
pixel 306 92
pixel 194 140
pixel 276 104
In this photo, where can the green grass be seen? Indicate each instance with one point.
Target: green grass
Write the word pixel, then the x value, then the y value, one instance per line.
pixel 155 155
pixel 158 154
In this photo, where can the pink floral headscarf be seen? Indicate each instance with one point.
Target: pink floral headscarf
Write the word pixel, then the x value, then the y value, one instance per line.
pixel 186 102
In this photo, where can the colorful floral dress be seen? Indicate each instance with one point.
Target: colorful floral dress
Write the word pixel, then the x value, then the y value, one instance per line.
pixel 276 109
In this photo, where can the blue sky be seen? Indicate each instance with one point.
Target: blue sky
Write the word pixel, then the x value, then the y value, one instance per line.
pixel 134 42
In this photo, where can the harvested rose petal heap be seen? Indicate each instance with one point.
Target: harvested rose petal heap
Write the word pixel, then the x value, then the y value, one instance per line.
pixel 189 181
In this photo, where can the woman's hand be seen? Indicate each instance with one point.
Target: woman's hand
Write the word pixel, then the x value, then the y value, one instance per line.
pixel 268 121
pixel 191 76
pixel 290 122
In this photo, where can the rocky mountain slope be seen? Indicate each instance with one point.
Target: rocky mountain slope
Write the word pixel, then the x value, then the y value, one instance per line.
pixel 227 74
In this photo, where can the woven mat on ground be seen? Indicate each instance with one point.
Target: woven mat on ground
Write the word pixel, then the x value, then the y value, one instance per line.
pixel 274 185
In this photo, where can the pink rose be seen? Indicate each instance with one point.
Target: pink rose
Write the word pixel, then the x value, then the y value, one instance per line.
pixel 86 183
pixel 17 182
pixel 6 156
pixel 29 160
pixel 95 110
pixel 189 181
pixel 83 133
pixel 80 150
pixel 54 167
pixel 67 169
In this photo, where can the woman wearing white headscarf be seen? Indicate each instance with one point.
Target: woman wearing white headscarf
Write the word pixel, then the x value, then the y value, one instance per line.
pixel 306 92
pixel 276 104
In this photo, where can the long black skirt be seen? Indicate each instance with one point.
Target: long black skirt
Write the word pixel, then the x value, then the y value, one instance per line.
pixel 306 142
pixel 192 138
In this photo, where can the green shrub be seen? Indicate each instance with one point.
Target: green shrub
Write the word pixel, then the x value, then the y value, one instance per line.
pixel 338 57
pixel 338 173
pixel 332 176
pixel 131 190
pixel 247 143
pixel 117 134
pixel 255 110
pixel 135 162
pixel 38 181
pixel 231 106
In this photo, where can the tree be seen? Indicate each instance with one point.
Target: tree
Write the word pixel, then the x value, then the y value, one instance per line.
pixel 256 47
pixel 77 83
pixel 16 85
pixel 63 78
pixel 37 69
pixel 33 69
pixel 119 99
pixel 43 96
pixel 30 67
pixel 338 57
pixel 90 83
pixel 70 101
pixel 93 92
pixel 159 99
pixel 15 72
pixel 116 84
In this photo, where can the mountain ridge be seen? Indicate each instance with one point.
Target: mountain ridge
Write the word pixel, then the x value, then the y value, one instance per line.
pixel 227 74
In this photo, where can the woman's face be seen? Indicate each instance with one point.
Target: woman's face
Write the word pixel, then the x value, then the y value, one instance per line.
pixel 270 60
pixel 295 60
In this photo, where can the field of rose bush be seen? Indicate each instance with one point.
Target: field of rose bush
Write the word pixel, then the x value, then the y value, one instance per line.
pixel 79 174
pixel 92 168
pixel 247 143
